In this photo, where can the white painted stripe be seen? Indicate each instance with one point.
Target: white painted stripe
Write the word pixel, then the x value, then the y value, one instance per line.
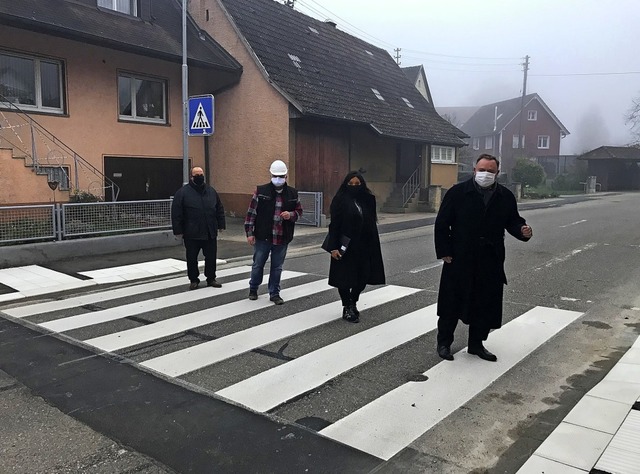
pixel 10 297
pixel 169 327
pixel 426 267
pixel 564 258
pixel 139 307
pixel 193 358
pixel 276 386
pixel 76 301
pixel 574 223
pixel 391 422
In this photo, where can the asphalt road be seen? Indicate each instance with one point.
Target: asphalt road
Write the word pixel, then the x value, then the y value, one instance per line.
pixel 584 257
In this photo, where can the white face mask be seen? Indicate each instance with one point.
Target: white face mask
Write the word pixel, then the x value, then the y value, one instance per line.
pixel 277 182
pixel 484 178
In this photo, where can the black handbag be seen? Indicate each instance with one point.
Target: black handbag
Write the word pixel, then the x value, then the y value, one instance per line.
pixel 325 243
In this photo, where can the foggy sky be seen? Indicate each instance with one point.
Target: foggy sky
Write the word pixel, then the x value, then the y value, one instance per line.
pixel 561 37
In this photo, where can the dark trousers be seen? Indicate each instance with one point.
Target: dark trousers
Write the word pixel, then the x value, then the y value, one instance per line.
pixel 447 326
pixel 209 249
pixel 349 295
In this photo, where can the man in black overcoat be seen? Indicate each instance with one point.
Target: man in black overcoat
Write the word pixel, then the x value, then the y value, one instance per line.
pixel 197 214
pixel 469 238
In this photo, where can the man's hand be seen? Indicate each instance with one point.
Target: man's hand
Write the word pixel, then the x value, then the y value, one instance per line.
pixel 286 215
pixel 335 254
pixel 251 240
pixel 447 259
pixel 527 231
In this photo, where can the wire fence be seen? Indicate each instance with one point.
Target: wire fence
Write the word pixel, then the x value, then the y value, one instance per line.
pixel 23 224
pixel 27 223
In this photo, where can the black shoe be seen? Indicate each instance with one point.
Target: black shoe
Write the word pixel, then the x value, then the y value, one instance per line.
pixel 194 284
pixel 482 353
pixel 445 352
pixel 276 299
pixel 354 309
pixel 253 294
pixel 214 283
pixel 349 315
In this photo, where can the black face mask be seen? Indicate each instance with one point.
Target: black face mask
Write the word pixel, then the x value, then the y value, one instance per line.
pixel 354 190
pixel 198 179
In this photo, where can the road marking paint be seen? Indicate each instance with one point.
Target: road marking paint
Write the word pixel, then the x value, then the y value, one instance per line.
pixel 208 353
pixel 566 257
pixel 574 223
pixel 276 386
pixel 389 423
pixel 34 280
pixel 92 298
pixel 426 267
pixel 145 306
pixel 179 324
pixel 565 298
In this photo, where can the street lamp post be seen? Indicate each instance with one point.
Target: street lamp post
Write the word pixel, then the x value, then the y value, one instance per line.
pixel 185 98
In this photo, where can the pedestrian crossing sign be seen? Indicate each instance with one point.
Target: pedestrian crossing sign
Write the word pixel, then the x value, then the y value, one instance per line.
pixel 201 115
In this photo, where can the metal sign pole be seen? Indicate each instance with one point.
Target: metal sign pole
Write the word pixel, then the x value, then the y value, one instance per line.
pixel 185 98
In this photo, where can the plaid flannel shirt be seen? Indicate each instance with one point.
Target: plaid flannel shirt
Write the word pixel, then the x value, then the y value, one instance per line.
pixel 250 220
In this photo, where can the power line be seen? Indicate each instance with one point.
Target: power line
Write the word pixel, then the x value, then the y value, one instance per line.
pixel 587 74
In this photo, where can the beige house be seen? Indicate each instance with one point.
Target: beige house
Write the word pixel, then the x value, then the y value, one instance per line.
pixel 90 96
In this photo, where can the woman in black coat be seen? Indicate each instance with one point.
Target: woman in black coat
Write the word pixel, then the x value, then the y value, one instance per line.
pixel 356 258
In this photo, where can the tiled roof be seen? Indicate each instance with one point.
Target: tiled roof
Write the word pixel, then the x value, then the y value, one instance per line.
pixel 612 153
pixel 412 73
pixel 327 73
pixel 482 122
pixel 83 20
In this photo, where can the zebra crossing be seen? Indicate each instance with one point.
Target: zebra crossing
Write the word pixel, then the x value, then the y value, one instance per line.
pixel 134 320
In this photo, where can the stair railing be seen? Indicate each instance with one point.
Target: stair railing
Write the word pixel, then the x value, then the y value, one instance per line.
pixel 47 152
pixel 411 186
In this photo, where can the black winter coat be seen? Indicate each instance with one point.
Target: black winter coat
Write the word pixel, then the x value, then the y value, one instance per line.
pixel 362 263
pixel 197 214
pixel 471 286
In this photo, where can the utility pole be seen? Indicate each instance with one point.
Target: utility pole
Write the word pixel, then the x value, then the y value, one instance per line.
pixel 185 98
pixel 525 66
pixel 398 56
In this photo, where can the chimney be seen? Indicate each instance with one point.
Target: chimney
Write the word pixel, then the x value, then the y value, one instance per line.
pixel 330 22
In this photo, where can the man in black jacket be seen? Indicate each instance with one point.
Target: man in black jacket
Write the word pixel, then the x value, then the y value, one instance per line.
pixel 197 214
pixel 469 238
pixel 269 225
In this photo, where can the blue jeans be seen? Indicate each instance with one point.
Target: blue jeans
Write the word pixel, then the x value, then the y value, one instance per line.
pixel 261 251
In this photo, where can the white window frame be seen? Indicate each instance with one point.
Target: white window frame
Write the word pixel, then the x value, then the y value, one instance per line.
pixel 38 107
pixel 475 143
pixel 543 142
pixel 532 115
pixel 488 142
pixel 516 143
pixel 443 154
pixel 163 119
pixel 113 5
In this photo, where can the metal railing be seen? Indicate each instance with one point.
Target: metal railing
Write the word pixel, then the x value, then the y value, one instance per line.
pixel 103 218
pixel 27 223
pixel 48 155
pixel 411 186
pixel 311 208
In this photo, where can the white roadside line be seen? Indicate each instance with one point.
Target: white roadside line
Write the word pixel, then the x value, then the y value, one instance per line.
pixel 564 258
pixel 574 223
pixel 426 267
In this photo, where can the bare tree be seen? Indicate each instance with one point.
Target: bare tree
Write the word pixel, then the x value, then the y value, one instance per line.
pixel 632 119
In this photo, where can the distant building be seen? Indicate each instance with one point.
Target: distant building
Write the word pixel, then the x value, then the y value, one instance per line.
pixel 616 168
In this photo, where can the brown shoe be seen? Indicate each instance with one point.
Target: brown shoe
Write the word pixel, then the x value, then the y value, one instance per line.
pixel 194 285
pixel 214 283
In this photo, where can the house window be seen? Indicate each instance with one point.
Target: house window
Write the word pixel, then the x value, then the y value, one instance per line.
pixel 488 143
pixel 128 7
pixel 142 98
pixel 296 60
pixel 377 94
pixel 515 143
pixel 532 115
pixel 476 143
pixel 409 104
pixel 443 154
pixel 32 84
pixel 543 141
